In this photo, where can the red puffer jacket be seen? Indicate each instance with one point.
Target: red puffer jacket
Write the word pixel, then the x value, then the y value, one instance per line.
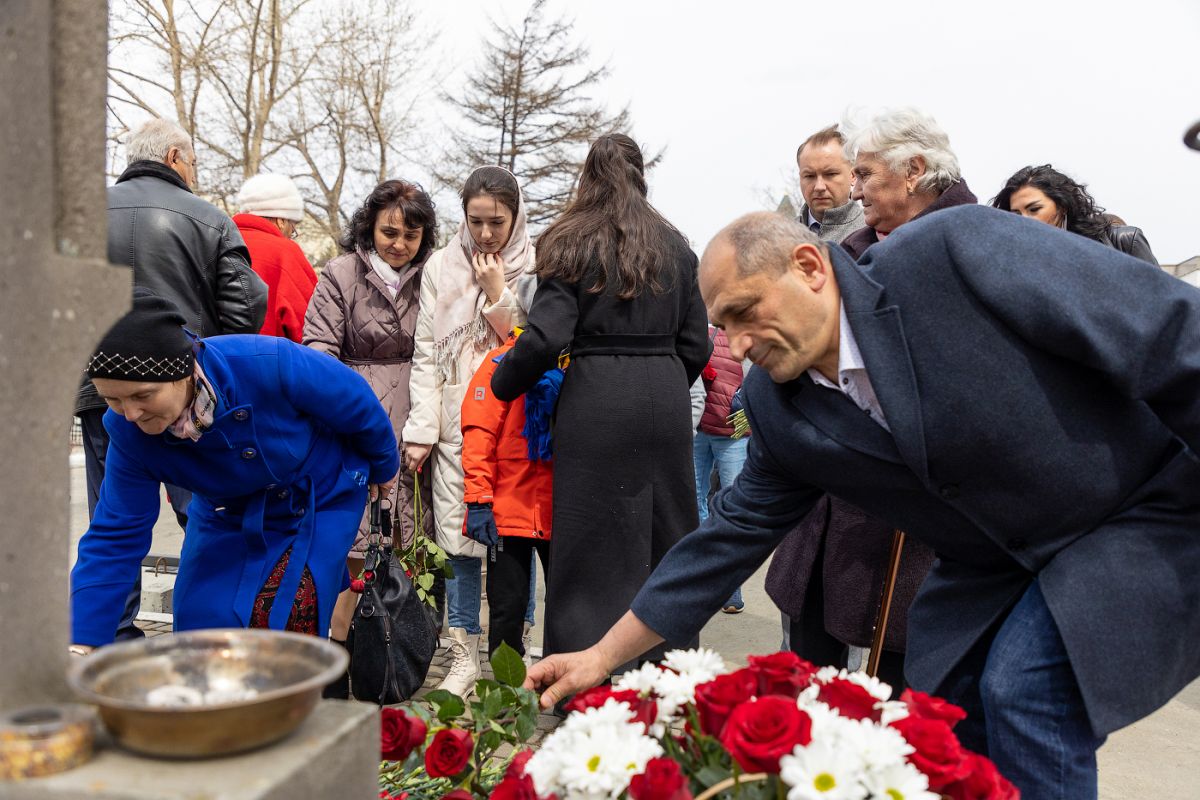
pixel 495 454
pixel 283 267
pixel 722 377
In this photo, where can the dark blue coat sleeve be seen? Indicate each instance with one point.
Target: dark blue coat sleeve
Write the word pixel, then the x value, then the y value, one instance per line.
pixel 550 329
pixel 1092 305
pixel 328 390
pixel 111 551
pixel 745 523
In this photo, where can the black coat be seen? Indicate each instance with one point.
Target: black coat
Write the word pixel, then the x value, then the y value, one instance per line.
pixel 183 249
pixel 1043 394
pixel 624 485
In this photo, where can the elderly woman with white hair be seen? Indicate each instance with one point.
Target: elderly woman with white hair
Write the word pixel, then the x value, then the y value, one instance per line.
pixel 904 169
pixel 827 576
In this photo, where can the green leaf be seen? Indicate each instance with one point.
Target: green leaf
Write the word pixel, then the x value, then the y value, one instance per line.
pixel 708 776
pixel 526 726
pixel 485 686
pixel 507 666
pixel 425 581
pixel 490 740
pixel 491 705
pixel 448 706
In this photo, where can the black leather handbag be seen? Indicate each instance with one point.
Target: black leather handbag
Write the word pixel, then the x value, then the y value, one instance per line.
pixel 392 637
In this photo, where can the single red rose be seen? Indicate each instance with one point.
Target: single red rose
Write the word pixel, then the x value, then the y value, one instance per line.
pixel 400 734
pixel 645 709
pixel 514 787
pixel 849 699
pixel 758 733
pixel 357 586
pixel 516 767
pixel 384 794
pixel 660 780
pixel 938 752
pixel 458 794
pixel 448 753
pixel 782 673
pixel 716 699
pixel 983 782
pixel 926 706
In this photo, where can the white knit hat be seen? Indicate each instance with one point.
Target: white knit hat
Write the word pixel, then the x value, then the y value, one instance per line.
pixel 269 195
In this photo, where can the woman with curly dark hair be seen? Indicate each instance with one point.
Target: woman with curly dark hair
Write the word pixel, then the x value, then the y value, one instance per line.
pixel 1047 195
pixel 617 287
pixel 364 313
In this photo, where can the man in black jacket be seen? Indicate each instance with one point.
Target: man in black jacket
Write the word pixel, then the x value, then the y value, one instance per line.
pixel 183 249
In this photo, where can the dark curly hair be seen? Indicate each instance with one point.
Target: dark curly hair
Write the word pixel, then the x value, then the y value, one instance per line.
pixel 1083 215
pixel 415 205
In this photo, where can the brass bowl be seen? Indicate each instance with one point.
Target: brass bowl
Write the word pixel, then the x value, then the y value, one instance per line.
pixel 285 673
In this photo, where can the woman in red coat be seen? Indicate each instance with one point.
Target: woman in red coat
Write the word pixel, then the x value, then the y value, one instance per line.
pixel 271 206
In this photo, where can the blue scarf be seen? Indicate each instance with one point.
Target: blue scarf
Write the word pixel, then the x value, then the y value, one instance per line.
pixel 539 408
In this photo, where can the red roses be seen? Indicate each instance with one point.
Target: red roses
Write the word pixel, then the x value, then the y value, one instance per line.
pixel 717 699
pixel 400 734
pixel 938 752
pixel 660 780
pixel 783 673
pixel 757 734
pixel 448 753
pixel 645 709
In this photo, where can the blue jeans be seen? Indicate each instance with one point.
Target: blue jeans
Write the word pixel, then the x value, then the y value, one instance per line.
pixel 463 592
pixel 728 455
pixel 1024 708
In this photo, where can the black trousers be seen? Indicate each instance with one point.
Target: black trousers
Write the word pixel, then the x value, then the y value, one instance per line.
pixel 808 638
pixel 95 448
pixel 509 564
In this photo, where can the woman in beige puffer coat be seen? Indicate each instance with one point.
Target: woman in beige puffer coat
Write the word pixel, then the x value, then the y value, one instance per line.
pixel 364 313
pixel 469 306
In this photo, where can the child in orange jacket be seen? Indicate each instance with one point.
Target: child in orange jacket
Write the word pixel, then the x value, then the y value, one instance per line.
pixel 508 478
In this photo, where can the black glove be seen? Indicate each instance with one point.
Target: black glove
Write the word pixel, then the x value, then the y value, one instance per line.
pixel 481 524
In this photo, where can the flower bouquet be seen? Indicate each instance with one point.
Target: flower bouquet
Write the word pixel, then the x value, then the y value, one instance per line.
pixel 690 730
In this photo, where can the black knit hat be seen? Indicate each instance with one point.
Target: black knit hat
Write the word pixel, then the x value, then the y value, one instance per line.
pixel 147 344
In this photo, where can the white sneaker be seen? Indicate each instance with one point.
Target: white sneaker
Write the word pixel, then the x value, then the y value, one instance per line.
pixel 464 663
pixel 527 644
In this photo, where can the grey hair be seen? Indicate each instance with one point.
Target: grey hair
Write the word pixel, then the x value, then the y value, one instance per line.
pixel 901 134
pixel 764 240
pixel 154 139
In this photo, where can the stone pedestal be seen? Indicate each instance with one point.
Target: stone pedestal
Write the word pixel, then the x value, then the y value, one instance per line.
pixel 334 755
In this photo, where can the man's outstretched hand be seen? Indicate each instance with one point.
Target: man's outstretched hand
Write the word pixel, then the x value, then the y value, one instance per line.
pixel 562 675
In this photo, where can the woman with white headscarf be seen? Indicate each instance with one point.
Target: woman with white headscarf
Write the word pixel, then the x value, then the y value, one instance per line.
pixel 468 307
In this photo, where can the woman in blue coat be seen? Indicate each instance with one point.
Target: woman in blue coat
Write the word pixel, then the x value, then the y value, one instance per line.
pixel 278 444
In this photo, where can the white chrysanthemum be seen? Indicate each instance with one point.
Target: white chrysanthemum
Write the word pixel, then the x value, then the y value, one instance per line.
pixel 827 724
pixel 700 664
pixel 878 689
pixel 876 746
pixel 643 680
pixel 891 711
pixel 822 771
pixel 592 755
pixel 672 691
pixel 899 782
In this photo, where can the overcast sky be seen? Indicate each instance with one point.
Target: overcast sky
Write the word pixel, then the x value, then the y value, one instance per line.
pixel 1103 90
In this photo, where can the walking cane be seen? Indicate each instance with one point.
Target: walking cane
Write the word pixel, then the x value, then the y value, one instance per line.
pixel 885 603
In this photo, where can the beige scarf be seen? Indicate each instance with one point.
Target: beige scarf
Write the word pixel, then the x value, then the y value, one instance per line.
pixel 458 315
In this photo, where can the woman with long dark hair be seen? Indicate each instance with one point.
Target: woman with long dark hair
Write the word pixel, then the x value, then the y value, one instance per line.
pixel 364 313
pixel 617 289
pixel 1047 195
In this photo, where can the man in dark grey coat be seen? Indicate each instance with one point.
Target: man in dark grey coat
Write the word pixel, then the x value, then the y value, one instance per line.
pixel 1026 402
pixel 182 249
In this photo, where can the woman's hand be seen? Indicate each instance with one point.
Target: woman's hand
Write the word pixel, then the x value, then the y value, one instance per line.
pixel 382 489
pixel 80 649
pixel 415 455
pixel 489 274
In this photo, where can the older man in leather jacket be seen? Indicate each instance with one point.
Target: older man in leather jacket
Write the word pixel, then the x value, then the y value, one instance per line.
pixel 183 249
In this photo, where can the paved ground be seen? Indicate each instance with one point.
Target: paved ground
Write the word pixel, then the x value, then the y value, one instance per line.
pixel 1158 757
